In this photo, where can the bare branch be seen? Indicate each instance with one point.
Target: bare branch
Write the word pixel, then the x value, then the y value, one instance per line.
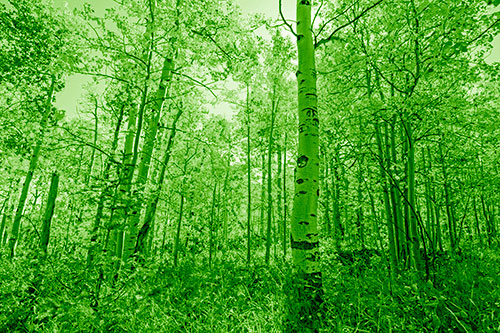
pixel 197 82
pixel 485 31
pixel 317 12
pixel 286 23
pixel 331 37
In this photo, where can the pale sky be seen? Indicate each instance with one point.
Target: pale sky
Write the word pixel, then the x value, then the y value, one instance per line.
pixel 68 98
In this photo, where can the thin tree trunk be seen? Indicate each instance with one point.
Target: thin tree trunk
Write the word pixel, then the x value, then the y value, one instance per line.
pixel 6 213
pixel 326 186
pixel 49 212
pixel 152 206
pixel 388 211
pixel 146 154
pixel 96 132
pixel 449 213
pixel 249 204
pixel 14 236
pixel 262 194
pixel 178 232
pixel 476 216
pixel 269 181
pixel 414 241
pixel 395 187
pixel 285 205
pixel 279 208
pixel 212 220
pixel 105 191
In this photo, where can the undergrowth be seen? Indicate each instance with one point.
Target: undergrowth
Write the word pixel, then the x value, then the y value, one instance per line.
pixel 462 296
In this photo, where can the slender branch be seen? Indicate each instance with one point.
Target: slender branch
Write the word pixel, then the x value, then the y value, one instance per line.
pixel 286 23
pixel 485 31
pixel 331 37
pixel 317 13
pixel 197 82
pixel 228 56
pixel 334 18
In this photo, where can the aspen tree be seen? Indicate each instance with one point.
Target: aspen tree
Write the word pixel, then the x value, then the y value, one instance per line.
pixel 153 204
pixel 49 212
pixel 249 184
pixel 14 236
pixel 304 225
pixel 102 197
pixel 269 177
pixel 146 154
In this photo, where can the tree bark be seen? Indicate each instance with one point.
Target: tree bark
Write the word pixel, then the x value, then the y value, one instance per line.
pixel 49 212
pixel 29 175
pixel 249 188
pixel 304 228
pixel 152 206
pixel 146 154
pixel 269 181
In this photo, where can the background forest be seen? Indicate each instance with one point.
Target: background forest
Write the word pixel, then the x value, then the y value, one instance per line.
pixel 212 178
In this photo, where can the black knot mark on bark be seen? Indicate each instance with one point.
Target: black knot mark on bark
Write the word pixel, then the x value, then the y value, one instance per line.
pixel 303 245
pixel 299 37
pixel 311 112
pixel 315 122
pixel 302 161
pixel 313 215
pixel 302 128
pixel 302 192
pixel 297 73
pixel 317 192
pixel 304 222
pixel 305 2
pixel 300 181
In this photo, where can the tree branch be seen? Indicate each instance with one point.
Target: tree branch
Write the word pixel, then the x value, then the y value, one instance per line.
pixel 286 23
pixel 331 37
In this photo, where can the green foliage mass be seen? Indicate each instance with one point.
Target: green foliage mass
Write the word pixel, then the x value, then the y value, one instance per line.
pixel 177 171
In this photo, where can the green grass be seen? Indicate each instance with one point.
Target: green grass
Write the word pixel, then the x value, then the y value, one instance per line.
pixel 463 297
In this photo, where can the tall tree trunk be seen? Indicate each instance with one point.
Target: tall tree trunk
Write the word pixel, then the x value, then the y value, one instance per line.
pixel 304 228
pixel 359 209
pixel 249 203
pixel 396 198
pixel 262 195
pixel 96 132
pixel 146 154
pixel 6 213
pixel 225 209
pixel 153 204
pixel 285 203
pixel 49 212
pixel 476 217
pixel 178 232
pixel 414 241
pixel 448 201
pixel 14 236
pixel 279 194
pixel 388 211
pixel 123 191
pixel 269 181
pixel 105 191
pixel 328 194
pixel 212 220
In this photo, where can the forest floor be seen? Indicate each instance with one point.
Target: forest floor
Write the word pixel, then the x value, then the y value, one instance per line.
pixel 462 295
